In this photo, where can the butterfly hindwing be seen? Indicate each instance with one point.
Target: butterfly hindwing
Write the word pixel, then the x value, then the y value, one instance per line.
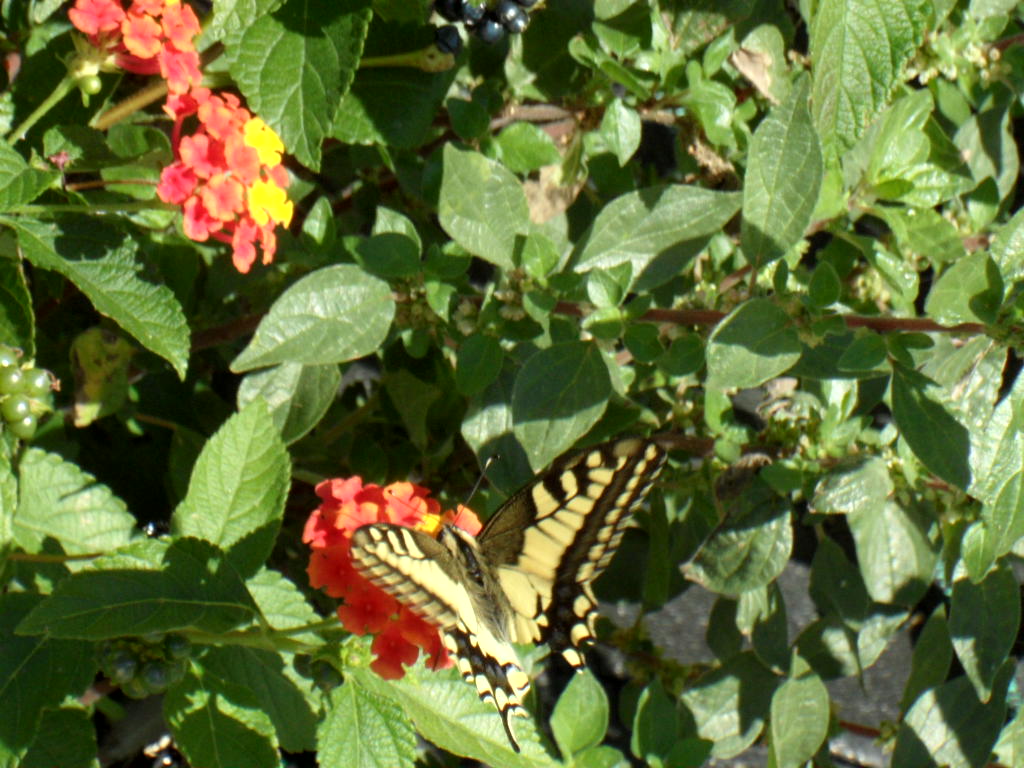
pixel 552 539
pixel 444 582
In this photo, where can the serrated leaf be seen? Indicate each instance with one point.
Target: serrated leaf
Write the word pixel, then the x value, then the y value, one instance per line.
pixel 219 724
pixel 936 438
pixel 560 393
pixel 333 315
pixel 17 321
pixel 580 718
pixel 852 488
pixel 479 363
pixel 640 226
pixel 76 747
pixel 983 622
pixel 447 712
pixel 754 343
pixel 859 48
pixel 150 313
pixel 784 173
pixel 298 395
pixel 799 716
pixel 36 673
pixel 237 492
pixel 656 724
pixel 895 554
pixel 929 665
pixel 262 674
pixel 750 548
pixel 730 704
pixel 59 502
pixel 949 726
pixel 20 184
pixel 195 589
pixel 482 206
pixel 295 64
pixel 364 730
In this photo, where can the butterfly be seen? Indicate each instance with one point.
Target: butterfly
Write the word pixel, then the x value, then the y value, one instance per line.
pixel 527 576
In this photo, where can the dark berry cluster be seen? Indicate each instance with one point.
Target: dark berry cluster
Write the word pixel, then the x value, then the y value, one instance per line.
pixel 145 666
pixel 489 22
pixel 26 393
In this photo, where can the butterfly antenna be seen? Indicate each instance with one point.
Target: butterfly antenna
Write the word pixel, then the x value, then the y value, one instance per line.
pixel 480 479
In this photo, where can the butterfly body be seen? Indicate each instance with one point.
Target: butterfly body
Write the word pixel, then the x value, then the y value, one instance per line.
pixel 527 576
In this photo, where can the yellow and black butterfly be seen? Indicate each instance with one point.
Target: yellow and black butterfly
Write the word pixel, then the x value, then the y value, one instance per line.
pixel 526 578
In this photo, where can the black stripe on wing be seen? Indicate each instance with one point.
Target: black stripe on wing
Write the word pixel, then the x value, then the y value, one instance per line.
pixel 556 536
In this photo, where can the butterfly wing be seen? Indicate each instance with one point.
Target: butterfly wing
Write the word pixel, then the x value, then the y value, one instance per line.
pixel 445 582
pixel 552 539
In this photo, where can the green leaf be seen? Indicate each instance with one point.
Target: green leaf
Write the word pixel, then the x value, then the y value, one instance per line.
pixel 656 724
pixel 859 48
pixel 620 129
pixel 219 724
pixel 364 730
pixel 525 147
pixel 983 622
pixel 482 206
pixel 294 64
pixel 824 289
pixel 929 665
pixel 799 716
pixel 333 315
pixel 852 488
pixel 865 353
pixel 281 603
pixel 921 419
pixel 447 712
pixel 837 585
pixel 895 554
pixel 751 546
pixel 560 393
pixel 684 356
pixel 238 488
pixel 949 726
pixel 769 633
pixel 784 172
pixel 194 588
pixel 479 363
pixel 1009 750
pixel 59 502
pixel 390 106
pixel 36 673
pixel 105 270
pixel 754 343
pixel 20 184
pixel 17 322
pixel 600 757
pixel 730 704
pixel 389 255
pixel 264 675
pixel 487 429
pixel 580 718
pixel 412 398
pixel 970 291
pixel 297 395
pixel 640 226
pixel 76 747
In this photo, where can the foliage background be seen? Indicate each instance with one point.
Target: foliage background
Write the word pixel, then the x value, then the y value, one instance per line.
pixel 787 233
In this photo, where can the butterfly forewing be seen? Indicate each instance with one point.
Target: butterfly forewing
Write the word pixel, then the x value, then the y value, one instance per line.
pixel 552 539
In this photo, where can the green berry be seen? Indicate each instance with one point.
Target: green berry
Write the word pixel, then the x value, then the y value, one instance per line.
pixel 123 667
pixel 8 357
pixel 24 428
pixel 154 676
pixel 135 689
pixel 12 381
pixel 38 383
pixel 15 408
pixel 177 646
pixel 90 85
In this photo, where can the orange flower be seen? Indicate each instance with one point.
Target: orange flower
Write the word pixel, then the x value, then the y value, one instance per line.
pixel 346 505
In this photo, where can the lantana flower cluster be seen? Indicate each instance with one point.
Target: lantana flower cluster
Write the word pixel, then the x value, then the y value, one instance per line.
pixel 346 505
pixel 227 175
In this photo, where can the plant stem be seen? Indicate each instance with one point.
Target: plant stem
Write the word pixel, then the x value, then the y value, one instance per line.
pixel 63 88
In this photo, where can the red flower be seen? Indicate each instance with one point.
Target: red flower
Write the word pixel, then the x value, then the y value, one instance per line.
pixel 94 17
pixel 347 504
